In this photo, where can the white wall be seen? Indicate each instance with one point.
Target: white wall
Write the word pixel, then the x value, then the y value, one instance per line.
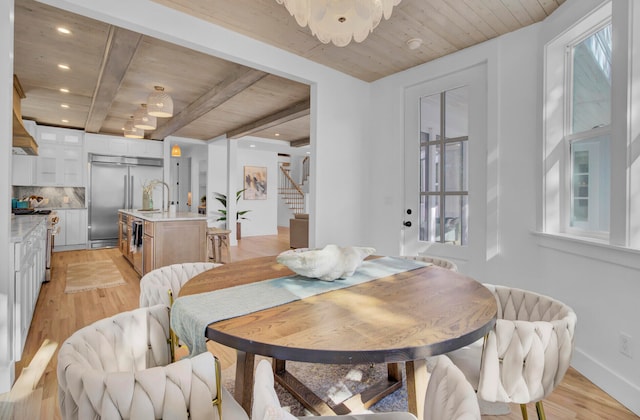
pixel 6 275
pixel 262 218
pixel 603 292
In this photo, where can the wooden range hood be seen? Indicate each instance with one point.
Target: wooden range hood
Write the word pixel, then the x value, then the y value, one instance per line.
pixel 23 142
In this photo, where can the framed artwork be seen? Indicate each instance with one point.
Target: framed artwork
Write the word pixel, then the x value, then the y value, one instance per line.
pixel 255 183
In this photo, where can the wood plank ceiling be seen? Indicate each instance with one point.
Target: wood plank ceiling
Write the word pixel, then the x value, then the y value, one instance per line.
pixel 112 70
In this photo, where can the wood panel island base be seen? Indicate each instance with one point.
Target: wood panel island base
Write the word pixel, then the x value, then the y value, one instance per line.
pixel 150 240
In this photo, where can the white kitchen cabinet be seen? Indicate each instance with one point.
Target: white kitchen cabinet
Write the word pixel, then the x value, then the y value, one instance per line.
pixel 60 157
pixel 121 146
pixel 23 170
pixel 72 232
pixel 29 259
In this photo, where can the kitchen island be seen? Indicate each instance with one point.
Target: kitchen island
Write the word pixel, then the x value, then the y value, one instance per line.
pixel 153 239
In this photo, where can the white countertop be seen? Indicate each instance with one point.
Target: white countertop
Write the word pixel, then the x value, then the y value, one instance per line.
pixel 163 216
pixel 22 225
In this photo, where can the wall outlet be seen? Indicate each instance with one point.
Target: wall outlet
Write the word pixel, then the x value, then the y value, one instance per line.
pixel 626 345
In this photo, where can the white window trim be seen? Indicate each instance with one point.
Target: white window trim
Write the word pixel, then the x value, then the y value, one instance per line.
pixel 625 195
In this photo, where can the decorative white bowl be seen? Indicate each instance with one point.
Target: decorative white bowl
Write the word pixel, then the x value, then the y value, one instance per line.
pixel 329 263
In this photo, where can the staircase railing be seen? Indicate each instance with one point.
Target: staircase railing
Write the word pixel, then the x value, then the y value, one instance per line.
pixel 290 191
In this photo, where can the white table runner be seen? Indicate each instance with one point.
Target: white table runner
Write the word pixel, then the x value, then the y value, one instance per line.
pixel 190 315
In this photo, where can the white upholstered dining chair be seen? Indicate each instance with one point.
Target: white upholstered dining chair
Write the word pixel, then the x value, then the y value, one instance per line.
pixel 159 286
pixel 525 356
pixel 119 367
pixel 440 262
pixel 449 397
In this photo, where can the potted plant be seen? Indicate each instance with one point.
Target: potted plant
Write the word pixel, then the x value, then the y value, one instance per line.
pixel 222 198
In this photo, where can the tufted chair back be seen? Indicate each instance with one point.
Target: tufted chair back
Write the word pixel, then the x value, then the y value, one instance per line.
pixel 526 354
pixel 449 394
pixel 128 342
pixel 440 262
pixel 156 284
pixel 118 368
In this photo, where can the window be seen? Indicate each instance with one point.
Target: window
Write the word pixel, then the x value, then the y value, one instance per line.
pixel 444 135
pixel 591 172
pixel 589 132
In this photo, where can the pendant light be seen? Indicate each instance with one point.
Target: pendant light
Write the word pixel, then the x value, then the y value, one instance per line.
pixel 175 151
pixel 143 120
pixel 159 104
pixel 131 131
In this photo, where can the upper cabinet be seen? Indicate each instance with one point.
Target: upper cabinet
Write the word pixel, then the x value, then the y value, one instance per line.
pixel 120 146
pixel 60 157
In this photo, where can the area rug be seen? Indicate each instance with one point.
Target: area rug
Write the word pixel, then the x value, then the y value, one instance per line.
pixel 336 383
pixel 92 275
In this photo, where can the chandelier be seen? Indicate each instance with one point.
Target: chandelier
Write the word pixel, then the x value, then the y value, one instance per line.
pixel 339 21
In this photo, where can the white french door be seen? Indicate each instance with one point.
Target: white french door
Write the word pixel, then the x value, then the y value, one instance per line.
pixel 445 143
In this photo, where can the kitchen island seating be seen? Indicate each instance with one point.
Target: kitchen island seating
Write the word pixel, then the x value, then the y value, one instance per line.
pixel 525 356
pixel 119 367
pixel 448 397
pixel 218 250
pixel 159 286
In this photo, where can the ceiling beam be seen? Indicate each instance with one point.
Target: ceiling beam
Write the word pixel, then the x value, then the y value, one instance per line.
pixel 295 111
pixel 300 142
pixel 235 83
pixel 118 53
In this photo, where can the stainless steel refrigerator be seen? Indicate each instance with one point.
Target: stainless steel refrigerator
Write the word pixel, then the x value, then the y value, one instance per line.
pixel 115 183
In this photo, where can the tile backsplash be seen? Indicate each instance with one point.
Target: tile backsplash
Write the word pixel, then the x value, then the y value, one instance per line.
pixel 59 197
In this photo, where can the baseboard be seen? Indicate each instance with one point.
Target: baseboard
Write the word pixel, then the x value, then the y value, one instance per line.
pixel 7 376
pixel 625 392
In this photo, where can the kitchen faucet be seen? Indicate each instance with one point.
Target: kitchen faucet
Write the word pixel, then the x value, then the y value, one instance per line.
pixel 157 182
pixel 168 194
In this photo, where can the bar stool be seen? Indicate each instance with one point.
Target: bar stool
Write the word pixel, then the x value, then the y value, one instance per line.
pixel 218 245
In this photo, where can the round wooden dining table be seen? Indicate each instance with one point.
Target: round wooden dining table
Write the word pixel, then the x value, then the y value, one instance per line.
pixel 405 317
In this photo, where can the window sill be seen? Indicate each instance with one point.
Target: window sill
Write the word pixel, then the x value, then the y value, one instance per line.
pixel 592 249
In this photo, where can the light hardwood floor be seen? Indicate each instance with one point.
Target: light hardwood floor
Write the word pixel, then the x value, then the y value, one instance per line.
pixel 58 315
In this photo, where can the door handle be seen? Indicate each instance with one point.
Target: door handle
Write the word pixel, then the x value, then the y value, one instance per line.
pixel 126 193
pixel 131 193
pixel 407 223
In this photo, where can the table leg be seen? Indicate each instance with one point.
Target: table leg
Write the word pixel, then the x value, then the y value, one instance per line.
pixel 417 380
pixel 307 398
pixel 317 406
pixel 244 379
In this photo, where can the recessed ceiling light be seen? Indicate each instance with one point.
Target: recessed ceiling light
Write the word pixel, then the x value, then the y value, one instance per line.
pixel 63 66
pixel 308 153
pixel 63 90
pixel 65 121
pixel 252 145
pixel 64 105
pixel 414 43
pixel 63 30
pixel 277 134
